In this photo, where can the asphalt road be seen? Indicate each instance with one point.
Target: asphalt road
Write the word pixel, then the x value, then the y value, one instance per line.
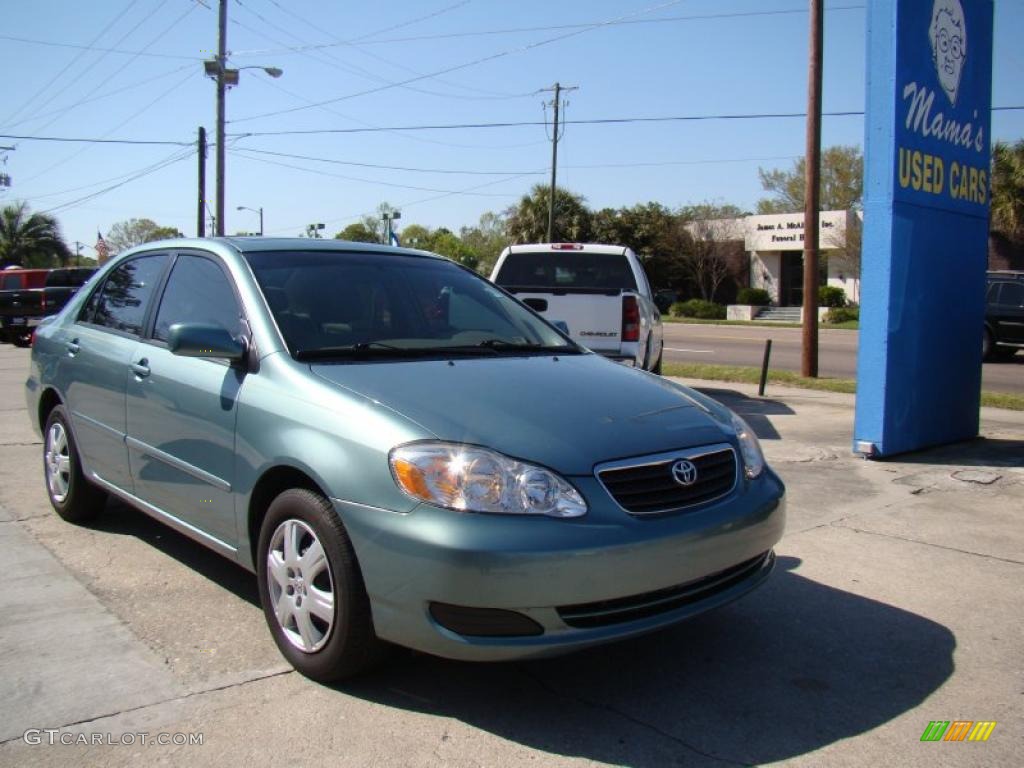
pixel 837 351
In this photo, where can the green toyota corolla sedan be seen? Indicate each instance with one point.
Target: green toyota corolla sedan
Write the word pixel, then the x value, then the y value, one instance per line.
pixel 398 449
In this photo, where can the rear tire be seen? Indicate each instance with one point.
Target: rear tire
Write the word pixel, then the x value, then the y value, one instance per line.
pixel 72 496
pixel 657 366
pixel 312 591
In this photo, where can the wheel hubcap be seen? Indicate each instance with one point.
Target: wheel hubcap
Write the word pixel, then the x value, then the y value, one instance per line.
pixel 301 586
pixel 57 459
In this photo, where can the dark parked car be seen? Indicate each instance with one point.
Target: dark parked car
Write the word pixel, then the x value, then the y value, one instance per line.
pixel 1004 315
pixel 29 295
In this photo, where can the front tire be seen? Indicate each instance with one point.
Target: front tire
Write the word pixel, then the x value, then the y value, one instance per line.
pixel 72 496
pixel 312 590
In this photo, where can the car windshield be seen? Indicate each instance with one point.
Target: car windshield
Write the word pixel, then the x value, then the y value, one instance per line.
pixel 352 305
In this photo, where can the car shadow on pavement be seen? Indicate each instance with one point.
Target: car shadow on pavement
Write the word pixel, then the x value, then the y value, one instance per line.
pixel 754 410
pixel 120 519
pixel 790 669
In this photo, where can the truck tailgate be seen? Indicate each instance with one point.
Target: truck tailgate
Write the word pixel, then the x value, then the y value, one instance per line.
pixel 594 319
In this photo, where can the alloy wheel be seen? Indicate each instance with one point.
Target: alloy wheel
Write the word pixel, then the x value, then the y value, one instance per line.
pixel 301 585
pixel 57 459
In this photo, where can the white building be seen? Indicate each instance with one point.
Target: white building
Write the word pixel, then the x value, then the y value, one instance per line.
pixel 775 244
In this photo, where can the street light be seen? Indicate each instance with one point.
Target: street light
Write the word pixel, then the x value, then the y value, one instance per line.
pixel 254 210
pixel 388 217
pixel 217 68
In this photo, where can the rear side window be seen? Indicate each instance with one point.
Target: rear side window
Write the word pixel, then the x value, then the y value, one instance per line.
pixel 1011 294
pixel 567 270
pixel 68 278
pixel 197 291
pixel 121 303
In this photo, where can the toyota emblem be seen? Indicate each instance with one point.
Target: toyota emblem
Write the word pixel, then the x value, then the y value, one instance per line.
pixel 684 472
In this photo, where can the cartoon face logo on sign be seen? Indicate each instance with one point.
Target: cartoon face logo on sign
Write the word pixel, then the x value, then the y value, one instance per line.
pixel 948 33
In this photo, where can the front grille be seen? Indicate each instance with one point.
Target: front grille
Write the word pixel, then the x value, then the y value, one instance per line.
pixel 607 612
pixel 649 487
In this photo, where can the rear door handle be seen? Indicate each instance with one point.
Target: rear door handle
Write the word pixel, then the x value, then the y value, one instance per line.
pixel 141 368
pixel 73 348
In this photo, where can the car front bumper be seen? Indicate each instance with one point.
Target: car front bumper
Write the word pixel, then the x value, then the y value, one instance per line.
pixel 582 582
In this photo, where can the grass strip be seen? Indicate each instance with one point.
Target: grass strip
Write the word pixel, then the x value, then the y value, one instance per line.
pixel 850 325
pixel 752 375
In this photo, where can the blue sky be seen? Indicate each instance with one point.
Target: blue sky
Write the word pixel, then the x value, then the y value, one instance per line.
pixel 659 58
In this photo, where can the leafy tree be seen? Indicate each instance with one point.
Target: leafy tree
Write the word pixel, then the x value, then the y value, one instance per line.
pixel 416 236
pixel 486 240
pixel 1008 190
pixel 447 243
pixel 714 232
pixel 842 183
pixel 527 221
pixel 127 234
pixel 30 239
pixel 358 232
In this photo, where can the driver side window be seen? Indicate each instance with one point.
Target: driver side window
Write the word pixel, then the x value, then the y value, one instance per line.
pixel 197 291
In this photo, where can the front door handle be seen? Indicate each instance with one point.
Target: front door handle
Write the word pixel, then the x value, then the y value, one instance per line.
pixel 141 368
pixel 73 348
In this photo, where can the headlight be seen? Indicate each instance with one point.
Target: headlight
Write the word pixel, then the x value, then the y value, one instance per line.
pixel 750 448
pixel 471 479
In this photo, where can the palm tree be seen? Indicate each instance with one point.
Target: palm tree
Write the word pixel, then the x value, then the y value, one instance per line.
pixel 527 222
pixel 30 239
pixel 1008 190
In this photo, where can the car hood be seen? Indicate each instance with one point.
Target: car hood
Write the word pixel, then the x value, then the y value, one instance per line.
pixel 567 413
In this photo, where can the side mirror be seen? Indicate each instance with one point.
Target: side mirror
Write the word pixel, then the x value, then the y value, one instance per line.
pixel 561 325
pixel 204 340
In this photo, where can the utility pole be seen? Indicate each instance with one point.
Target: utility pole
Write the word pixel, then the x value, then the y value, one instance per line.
pixel 201 207
pixel 556 102
pixel 221 90
pixel 78 253
pixel 809 365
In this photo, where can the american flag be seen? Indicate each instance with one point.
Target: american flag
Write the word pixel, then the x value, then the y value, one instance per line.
pixel 102 249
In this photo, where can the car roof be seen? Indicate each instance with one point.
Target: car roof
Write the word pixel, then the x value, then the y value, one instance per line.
pixel 565 248
pixel 258 244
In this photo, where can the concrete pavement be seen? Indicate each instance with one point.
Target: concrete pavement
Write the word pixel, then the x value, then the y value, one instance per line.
pixel 896 602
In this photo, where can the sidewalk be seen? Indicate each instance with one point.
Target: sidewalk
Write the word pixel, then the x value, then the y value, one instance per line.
pixel 896 602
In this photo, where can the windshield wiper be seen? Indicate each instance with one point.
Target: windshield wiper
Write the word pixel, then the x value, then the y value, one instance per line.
pixel 512 346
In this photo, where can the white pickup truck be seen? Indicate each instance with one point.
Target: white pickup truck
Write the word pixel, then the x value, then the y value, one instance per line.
pixel 600 292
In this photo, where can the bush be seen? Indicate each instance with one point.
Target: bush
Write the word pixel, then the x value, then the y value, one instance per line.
pixel 755 297
pixel 842 315
pixel 704 310
pixel 831 296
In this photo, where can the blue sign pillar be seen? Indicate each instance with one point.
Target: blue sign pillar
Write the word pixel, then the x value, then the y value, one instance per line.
pixel 925 241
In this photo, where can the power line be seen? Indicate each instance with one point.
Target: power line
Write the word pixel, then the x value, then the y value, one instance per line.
pixel 160 97
pixel 85 70
pixel 176 157
pixel 465 65
pixel 108 94
pixel 553 28
pixel 387 167
pixel 242 153
pixel 55 44
pixel 95 141
pixel 599 121
pixel 533 123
